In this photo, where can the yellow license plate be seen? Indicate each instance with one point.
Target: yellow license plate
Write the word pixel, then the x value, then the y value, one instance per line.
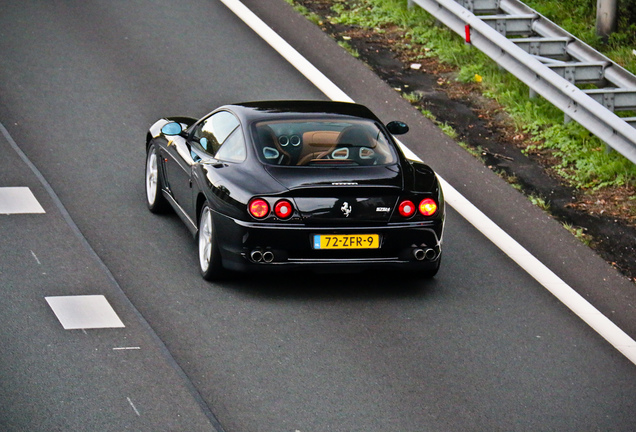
pixel 346 241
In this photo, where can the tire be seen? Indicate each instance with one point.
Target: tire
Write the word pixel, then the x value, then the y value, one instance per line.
pixel 155 200
pixel 209 256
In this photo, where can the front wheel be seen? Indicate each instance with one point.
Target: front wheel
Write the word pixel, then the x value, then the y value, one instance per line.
pixel 209 256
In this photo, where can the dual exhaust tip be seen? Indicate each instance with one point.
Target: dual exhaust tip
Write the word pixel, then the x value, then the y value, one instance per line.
pixel 427 254
pixel 258 255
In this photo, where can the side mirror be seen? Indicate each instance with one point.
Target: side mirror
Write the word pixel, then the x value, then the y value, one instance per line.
pixel 397 127
pixel 171 129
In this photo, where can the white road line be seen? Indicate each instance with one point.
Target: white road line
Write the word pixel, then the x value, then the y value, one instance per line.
pixel 18 200
pixel 84 312
pixel 588 313
pixel 36 258
pixel 133 407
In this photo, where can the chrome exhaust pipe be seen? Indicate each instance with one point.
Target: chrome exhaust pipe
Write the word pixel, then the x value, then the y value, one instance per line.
pixel 268 256
pixel 256 255
pixel 419 254
pixel 430 254
pixel 427 254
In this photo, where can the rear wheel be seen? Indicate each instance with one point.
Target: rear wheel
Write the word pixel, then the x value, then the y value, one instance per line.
pixel 157 203
pixel 209 256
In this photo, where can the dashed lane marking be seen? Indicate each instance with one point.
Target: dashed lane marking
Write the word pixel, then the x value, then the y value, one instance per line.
pixel 84 312
pixel 133 407
pixel 18 200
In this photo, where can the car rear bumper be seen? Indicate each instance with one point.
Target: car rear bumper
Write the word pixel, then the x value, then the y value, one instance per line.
pixel 246 246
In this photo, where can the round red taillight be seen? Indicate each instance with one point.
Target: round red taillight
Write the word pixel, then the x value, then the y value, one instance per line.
pixel 258 208
pixel 283 209
pixel 406 208
pixel 428 207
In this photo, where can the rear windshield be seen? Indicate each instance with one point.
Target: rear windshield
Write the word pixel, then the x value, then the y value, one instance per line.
pixel 320 142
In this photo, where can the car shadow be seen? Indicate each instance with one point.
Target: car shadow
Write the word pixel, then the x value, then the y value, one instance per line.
pixel 300 285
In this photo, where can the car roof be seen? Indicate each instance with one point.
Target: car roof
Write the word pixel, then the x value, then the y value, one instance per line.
pixel 263 109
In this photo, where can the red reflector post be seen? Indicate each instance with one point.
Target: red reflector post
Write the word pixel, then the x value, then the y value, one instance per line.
pixel 258 208
pixel 467 29
pixel 428 207
pixel 283 209
pixel 406 208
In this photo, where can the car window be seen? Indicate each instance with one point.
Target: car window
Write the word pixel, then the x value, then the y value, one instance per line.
pixel 233 148
pixel 211 133
pixel 322 142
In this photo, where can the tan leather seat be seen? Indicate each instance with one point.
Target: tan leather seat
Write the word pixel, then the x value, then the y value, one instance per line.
pixel 317 145
pixel 356 143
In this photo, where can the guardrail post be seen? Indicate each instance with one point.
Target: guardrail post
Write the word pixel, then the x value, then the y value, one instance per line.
pixel 606 18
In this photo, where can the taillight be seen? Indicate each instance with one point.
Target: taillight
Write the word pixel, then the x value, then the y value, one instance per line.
pixel 258 208
pixel 406 208
pixel 428 207
pixel 283 209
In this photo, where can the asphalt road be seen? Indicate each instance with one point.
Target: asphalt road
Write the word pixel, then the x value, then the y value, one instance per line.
pixel 481 347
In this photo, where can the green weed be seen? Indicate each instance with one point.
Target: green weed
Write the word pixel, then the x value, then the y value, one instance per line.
pixel 429 115
pixel 539 202
pixel 579 233
pixel 347 46
pixel 413 97
pixel 315 18
pixel 448 130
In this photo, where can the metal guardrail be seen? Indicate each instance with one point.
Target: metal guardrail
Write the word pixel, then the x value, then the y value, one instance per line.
pixel 550 61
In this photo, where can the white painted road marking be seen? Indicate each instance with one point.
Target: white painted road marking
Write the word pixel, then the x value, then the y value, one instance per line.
pixel 36 258
pixel 573 300
pixel 133 407
pixel 18 200
pixel 84 312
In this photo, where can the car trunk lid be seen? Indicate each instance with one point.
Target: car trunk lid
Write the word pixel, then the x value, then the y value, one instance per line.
pixel 342 196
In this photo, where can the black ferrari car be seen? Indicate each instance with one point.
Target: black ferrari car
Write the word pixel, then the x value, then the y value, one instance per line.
pixel 296 184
